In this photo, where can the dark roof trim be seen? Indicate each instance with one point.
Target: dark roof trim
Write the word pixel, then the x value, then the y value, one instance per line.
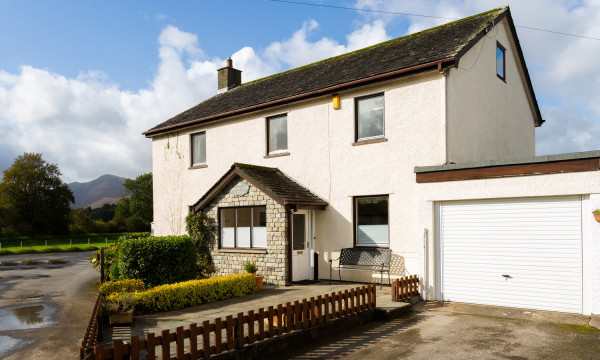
pixel 538 120
pixel 539 165
pixel 236 171
pixel 438 64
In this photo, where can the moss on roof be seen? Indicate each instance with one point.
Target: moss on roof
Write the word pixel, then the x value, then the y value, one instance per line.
pixel 434 44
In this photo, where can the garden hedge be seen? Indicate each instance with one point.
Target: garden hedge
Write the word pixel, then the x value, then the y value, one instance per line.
pixel 129 285
pixel 193 293
pixel 157 260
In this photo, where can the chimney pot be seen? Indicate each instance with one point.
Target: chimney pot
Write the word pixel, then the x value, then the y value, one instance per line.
pixel 229 62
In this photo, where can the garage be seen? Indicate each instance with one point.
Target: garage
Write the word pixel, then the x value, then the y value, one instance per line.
pixel 518 252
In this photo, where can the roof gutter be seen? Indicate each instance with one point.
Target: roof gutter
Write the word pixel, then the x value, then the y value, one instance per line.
pixel 438 64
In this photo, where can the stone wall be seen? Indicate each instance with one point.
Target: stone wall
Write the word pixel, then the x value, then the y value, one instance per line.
pixel 272 262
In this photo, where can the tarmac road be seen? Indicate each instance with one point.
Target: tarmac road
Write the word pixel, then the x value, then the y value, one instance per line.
pixel 455 331
pixel 59 298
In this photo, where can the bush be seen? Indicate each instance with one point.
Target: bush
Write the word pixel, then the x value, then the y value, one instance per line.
pixel 113 272
pixel 129 285
pixel 193 293
pixel 197 226
pixel 157 260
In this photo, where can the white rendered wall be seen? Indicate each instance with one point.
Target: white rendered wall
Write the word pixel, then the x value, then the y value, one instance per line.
pixel 323 159
pixel 488 118
pixel 591 255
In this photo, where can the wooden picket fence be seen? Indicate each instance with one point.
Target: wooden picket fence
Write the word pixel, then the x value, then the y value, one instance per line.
pixel 405 288
pixel 200 341
pixel 93 332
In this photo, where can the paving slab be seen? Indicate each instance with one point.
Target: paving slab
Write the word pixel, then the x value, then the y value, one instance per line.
pixel 268 296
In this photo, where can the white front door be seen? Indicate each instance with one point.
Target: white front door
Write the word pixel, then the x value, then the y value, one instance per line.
pixel 300 246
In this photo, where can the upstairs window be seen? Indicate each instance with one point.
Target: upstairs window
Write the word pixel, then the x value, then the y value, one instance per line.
pixel 369 117
pixel 277 134
pixel 500 61
pixel 371 221
pixel 244 227
pixel 198 147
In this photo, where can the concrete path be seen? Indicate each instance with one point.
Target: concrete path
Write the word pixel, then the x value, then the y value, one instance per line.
pixel 436 330
pixel 269 296
pixel 53 304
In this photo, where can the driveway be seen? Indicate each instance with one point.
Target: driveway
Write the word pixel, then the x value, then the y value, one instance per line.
pixel 436 330
pixel 44 309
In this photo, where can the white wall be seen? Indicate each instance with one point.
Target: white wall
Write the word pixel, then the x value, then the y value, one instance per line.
pixel 592 255
pixel 322 158
pixel 489 119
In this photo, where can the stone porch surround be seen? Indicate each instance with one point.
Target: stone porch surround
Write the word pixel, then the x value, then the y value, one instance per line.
pixel 271 262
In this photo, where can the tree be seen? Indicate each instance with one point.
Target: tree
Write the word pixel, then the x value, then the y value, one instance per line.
pixel 140 197
pixel 122 211
pixel 34 198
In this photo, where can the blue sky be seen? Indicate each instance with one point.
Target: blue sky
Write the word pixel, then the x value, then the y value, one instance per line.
pixel 80 80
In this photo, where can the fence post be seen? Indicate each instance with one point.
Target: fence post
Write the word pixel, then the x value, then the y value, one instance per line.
pixel 88 243
pixel 0 245
pixel 21 244
pixel 106 241
pixel 46 246
pixel 101 265
pixel 70 243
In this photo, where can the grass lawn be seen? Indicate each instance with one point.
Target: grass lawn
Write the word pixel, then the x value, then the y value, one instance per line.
pixel 56 243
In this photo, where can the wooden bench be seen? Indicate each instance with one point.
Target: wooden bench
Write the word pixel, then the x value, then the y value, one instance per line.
pixel 362 259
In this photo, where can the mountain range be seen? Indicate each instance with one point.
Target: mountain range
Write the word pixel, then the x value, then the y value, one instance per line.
pixel 107 189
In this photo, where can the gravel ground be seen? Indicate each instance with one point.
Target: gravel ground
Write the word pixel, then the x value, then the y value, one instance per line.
pixel 64 294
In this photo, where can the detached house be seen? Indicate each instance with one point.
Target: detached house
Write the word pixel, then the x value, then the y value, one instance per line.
pixel 424 144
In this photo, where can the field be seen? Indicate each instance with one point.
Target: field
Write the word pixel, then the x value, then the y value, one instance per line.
pixel 56 243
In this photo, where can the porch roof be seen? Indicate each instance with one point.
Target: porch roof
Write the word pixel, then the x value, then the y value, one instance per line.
pixel 271 181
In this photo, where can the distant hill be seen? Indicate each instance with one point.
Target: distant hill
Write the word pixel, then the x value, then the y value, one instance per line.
pixel 107 189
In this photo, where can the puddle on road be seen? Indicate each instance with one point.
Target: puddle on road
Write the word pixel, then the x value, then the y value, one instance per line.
pixel 57 262
pixel 26 317
pixel 9 344
pixel 3 286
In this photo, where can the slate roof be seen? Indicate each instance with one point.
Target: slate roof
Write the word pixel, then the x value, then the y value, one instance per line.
pixel 271 181
pixel 397 57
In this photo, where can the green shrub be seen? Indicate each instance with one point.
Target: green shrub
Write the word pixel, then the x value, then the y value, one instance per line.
pixel 134 235
pixel 197 226
pixel 193 293
pixel 113 272
pixel 129 285
pixel 157 260
pixel 250 267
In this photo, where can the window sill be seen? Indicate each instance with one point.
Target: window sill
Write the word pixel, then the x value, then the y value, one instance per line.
pixel 247 251
pixel 369 141
pixel 501 78
pixel 200 166
pixel 363 246
pixel 274 155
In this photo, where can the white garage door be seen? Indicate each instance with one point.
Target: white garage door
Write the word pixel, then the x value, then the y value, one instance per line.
pixel 522 253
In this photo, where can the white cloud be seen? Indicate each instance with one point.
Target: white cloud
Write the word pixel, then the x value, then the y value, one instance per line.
pixel 89 126
pixel 567 131
pixel 298 50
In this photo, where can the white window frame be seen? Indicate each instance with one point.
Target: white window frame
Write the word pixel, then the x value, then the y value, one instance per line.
pixel 357 100
pixel 268 131
pixel 235 241
pixel 192 163
pixel 355 223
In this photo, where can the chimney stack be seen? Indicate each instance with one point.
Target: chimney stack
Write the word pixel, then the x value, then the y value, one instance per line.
pixel 229 77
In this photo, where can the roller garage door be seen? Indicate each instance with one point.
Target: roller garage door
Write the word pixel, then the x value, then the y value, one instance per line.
pixel 523 252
